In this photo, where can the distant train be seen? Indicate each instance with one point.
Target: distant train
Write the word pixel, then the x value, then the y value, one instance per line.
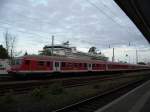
pixel 31 64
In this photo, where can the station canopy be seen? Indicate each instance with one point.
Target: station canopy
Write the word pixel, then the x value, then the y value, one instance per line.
pixel 139 12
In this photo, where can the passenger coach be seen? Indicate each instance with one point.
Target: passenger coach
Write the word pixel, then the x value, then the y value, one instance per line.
pixel 47 65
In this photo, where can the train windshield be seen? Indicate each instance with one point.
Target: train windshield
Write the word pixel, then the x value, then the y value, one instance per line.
pixel 16 62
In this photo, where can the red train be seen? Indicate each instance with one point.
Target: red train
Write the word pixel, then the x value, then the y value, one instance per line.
pixel 28 65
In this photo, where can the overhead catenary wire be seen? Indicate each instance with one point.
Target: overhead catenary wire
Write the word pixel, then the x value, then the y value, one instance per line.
pixel 108 16
pixel 45 21
pixel 32 18
pixel 106 7
pixel 103 12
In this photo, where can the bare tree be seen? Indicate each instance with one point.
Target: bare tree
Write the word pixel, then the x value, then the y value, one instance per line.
pixel 6 39
pixel 10 42
pixel 12 46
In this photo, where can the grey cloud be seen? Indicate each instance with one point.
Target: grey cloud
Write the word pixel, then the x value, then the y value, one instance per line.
pixel 74 20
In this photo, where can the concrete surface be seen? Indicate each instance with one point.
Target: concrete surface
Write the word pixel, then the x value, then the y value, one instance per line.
pixel 137 100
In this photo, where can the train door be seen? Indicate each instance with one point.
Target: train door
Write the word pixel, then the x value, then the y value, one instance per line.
pixel 89 67
pixel 106 66
pixel 57 66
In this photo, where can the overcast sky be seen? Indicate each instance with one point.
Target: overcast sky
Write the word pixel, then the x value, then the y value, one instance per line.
pixel 84 23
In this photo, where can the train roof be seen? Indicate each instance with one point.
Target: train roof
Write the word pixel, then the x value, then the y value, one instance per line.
pixel 59 58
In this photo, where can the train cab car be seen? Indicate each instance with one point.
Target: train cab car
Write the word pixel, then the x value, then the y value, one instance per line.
pixel 31 65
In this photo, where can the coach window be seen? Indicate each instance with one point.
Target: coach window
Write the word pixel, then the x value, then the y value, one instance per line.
pixel 89 65
pixel 93 65
pixel 70 64
pixel 85 65
pixel 80 64
pixel 103 65
pixel 27 62
pixel 48 63
pixel 41 63
pixel 75 65
pixel 17 62
pixel 98 65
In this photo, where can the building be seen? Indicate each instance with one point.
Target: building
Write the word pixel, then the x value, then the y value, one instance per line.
pixel 59 49
pixel 67 51
pixel 4 65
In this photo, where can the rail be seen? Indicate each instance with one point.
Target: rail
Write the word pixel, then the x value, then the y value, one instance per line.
pixel 95 102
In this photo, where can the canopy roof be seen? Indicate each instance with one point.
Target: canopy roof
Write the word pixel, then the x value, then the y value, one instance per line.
pixel 139 12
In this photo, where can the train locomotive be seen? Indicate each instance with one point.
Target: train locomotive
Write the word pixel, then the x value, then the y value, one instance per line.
pixel 35 64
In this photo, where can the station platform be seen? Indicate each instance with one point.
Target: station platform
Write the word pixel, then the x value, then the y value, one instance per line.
pixel 137 100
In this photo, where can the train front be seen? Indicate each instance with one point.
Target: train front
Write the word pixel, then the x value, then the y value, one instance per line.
pixel 15 66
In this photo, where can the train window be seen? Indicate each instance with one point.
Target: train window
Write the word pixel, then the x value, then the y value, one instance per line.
pixel 93 65
pixel 66 64
pixel 89 65
pixel 48 63
pixel 41 63
pixel 17 62
pixel 75 64
pixel 85 65
pixel 63 64
pixel 103 65
pixel 80 64
pixel 27 62
pixel 70 64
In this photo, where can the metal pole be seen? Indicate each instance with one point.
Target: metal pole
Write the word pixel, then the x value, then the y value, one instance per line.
pixel 136 56
pixel 52 44
pixel 113 58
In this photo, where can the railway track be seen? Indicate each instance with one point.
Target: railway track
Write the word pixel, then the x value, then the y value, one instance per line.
pixel 9 78
pixel 21 87
pixel 98 101
pixel 6 77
